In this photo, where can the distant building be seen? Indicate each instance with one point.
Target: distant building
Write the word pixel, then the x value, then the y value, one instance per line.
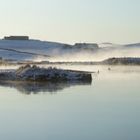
pixel 87 45
pixel 16 38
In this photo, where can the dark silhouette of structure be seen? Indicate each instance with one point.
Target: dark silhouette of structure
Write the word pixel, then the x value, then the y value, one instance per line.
pixel 16 38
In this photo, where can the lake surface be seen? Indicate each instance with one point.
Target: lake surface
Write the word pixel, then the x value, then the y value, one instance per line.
pixel 106 109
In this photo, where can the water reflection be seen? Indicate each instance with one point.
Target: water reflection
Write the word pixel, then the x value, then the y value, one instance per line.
pixel 37 87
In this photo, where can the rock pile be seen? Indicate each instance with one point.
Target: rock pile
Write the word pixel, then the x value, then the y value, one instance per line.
pixel 34 73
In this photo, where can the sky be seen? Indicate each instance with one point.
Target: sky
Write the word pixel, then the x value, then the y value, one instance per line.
pixel 71 21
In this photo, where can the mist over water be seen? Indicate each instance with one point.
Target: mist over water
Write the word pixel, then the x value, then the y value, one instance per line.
pixel 91 55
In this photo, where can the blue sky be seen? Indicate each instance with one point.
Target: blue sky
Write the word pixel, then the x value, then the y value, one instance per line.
pixel 72 21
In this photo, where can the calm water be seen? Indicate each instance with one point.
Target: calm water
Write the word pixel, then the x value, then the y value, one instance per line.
pixel 106 109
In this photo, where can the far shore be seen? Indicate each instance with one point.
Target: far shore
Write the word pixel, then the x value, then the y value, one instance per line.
pixel 131 61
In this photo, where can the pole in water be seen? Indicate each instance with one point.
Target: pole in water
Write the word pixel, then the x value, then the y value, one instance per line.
pixel 109 68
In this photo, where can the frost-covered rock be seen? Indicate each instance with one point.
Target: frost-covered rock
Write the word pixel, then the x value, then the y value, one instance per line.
pixel 34 73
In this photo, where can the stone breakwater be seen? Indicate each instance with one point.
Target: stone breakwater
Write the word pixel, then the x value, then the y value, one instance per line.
pixel 34 73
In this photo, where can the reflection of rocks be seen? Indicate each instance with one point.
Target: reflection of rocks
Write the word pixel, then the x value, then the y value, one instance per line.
pixel 36 87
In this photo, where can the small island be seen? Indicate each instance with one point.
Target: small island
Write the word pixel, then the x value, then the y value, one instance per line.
pixel 37 74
